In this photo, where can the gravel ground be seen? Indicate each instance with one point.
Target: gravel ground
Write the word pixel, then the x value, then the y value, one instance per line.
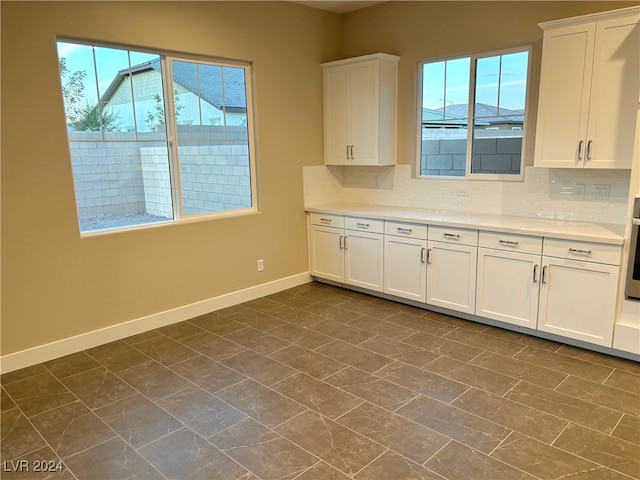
pixel 101 223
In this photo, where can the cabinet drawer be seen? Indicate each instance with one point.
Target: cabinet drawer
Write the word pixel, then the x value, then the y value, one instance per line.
pixel 327 220
pixel 462 236
pixel 583 251
pixel 364 224
pixel 405 230
pixel 510 242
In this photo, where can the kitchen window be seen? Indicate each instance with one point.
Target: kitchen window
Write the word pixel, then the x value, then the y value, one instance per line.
pixel 472 115
pixel 155 138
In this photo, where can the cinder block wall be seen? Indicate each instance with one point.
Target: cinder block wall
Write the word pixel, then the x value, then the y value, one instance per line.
pixel 490 155
pixel 127 177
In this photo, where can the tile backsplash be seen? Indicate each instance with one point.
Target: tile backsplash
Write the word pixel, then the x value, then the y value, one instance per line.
pixel 598 196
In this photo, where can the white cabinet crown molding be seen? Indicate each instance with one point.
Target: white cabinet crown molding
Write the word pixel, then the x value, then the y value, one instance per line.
pixel 591 17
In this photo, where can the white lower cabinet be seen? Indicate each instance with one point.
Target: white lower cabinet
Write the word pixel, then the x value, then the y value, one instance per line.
pixel 567 288
pixel 508 280
pixel 326 249
pixel 347 250
pixel 364 253
pixel 451 268
pixel 405 261
pixel 577 294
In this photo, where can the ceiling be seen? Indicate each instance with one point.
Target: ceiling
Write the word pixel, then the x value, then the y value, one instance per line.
pixel 344 6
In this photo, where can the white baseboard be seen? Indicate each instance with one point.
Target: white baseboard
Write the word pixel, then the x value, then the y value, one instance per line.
pixel 67 346
pixel 627 337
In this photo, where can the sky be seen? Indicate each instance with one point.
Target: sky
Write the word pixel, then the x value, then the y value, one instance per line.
pixel 495 83
pixel 108 61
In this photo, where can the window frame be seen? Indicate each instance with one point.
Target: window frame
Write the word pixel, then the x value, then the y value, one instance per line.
pixel 473 57
pixel 172 142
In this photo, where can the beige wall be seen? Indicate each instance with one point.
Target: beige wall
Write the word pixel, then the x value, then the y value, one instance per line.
pixel 421 30
pixel 56 285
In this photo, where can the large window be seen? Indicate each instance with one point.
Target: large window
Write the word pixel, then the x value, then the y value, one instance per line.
pixel 155 138
pixel 472 113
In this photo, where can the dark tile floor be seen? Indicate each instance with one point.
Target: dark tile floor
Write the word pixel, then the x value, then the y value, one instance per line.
pixel 322 383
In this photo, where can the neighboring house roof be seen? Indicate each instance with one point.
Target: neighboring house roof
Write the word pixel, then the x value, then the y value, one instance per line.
pixel 457 115
pixel 184 73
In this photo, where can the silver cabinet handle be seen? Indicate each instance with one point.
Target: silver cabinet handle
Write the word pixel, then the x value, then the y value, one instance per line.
pixel 423 252
pixel 403 230
pixel 362 225
pixel 589 149
pixel 352 155
pixel 429 254
pixel 579 252
pixel 325 220
pixel 535 273
pixel 508 243
pixel 451 235
pixel 341 242
pixel 543 279
pixel 580 149
pixel 346 242
pixel 348 158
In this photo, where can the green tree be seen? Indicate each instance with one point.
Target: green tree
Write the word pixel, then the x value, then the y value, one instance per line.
pixel 156 116
pixel 72 91
pixel 89 119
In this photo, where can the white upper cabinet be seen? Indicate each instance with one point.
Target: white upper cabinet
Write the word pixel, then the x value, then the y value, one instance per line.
pixel 589 83
pixel 360 110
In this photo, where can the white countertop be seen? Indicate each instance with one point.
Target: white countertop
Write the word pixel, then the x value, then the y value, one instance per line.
pixel 563 229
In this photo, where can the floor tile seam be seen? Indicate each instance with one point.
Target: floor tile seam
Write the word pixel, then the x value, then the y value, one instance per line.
pixel 487 420
pixel 384 451
pixel 300 371
pixel 277 434
pixel 563 420
pixel 446 340
pixel 91 411
pixel 550 368
pixel 588 363
pixel 75 399
pixel 397 416
pixel 501 442
pixel 633 414
pixel 435 454
pixel 169 364
pixel 139 452
pixel 103 364
pixel 355 397
pixel 559 352
pixel 597 432
pixel 491 350
pixel 47 369
pixel 590 460
pixel 537 369
pixel 612 410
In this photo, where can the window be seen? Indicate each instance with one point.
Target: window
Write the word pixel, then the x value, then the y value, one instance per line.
pixel 487 92
pixel 155 138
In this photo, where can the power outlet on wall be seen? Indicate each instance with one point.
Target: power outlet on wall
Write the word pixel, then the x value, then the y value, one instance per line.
pixel 260 265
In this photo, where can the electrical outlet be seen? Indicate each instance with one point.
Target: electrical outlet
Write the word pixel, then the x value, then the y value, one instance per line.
pixel 260 265
pixel 601 190
pixel 462 192
pixel 579 189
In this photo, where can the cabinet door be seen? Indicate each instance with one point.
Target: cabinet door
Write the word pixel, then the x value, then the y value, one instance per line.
pixel 326 253
pixel 565 78
pixel 364 253
pixel 336 114
pixel 364 112
pixel 405 268
pixel 508 286
pixel 577 299
pixel 451 276
pixel 614 94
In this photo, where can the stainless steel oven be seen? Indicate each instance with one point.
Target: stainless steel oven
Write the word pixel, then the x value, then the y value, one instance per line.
pixel 632 289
